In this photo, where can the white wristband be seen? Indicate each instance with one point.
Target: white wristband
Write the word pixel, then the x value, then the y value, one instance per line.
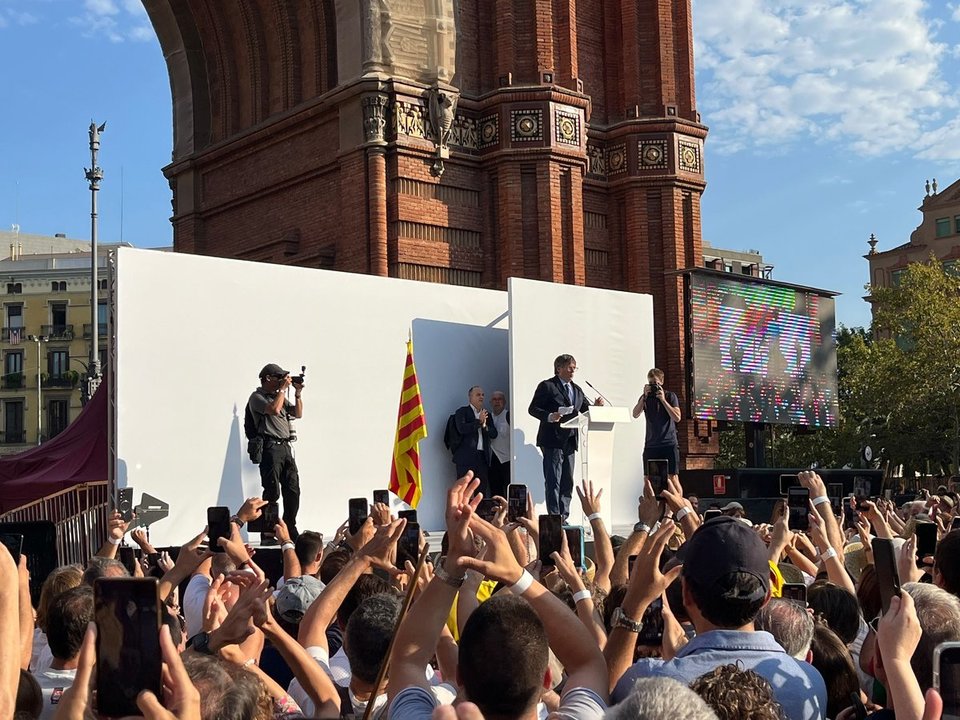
pixel 288 546
pixel 582 595
pixel 828 553
pixel 522 585
pixel 820 500
pixel 114 541
pixel 593 516
pixel 682 513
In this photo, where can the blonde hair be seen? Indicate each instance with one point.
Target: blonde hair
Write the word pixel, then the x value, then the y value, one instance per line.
pixel 59 581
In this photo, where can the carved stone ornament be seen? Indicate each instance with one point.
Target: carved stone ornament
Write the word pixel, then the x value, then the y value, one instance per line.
pixel 597 160
pixel 442 107
pixel 374 117
pixel 465 133
pixel 409 118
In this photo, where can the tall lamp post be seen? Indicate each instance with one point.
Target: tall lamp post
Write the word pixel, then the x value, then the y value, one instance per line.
pixel 94 175
pixel 39 339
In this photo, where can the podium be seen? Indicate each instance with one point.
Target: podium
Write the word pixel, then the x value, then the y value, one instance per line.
pixel 596 428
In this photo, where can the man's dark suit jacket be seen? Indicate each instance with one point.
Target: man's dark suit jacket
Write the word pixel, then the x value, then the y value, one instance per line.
pixel 548 399
pixel 467 426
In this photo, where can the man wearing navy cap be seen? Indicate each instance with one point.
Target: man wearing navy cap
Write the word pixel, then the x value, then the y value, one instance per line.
pixel 725 579
pixel 273 414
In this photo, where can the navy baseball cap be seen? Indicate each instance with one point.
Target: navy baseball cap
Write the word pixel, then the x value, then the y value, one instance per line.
pixel 272 370
pixel 723 546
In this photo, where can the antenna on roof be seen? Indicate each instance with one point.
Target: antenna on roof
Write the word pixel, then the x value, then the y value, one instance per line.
pixel 121 204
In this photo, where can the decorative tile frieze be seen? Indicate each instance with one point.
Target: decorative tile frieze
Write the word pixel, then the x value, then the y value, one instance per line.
pixel 688 154
pixel 617 159
pixel 465 133
pixel 652 154
pixel 526 125
pixel 567 127
pixel 489 131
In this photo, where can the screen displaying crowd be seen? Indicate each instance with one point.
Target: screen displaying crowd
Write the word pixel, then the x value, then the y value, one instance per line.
pixel 855 615
pixel 762 352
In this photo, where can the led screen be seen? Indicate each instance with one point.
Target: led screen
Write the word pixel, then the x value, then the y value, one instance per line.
pixel 762 352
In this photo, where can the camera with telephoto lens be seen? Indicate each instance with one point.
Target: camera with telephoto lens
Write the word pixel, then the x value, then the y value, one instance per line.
pixel 299 379
pixel 655 388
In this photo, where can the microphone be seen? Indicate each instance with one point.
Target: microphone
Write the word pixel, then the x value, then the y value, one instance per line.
pixel 605 399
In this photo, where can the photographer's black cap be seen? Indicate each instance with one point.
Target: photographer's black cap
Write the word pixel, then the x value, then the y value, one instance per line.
pixel 720 547
pixel 273 369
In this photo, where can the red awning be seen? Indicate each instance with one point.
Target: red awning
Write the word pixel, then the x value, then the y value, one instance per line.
pixel 75 456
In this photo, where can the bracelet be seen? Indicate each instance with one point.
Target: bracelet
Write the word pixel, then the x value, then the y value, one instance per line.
pixel 522 584
pixel 593 516
pixel 828 553
pixel 114 541
pixel 682 513
pixel 249 661
pixel 288 546
pixel 237 521
pixel 582 595
pixel 820 500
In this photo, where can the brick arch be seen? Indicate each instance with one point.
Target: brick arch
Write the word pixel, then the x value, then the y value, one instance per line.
pixel 233 65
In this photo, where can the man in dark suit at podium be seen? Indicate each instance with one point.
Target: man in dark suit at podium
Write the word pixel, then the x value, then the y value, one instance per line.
pixel 555 401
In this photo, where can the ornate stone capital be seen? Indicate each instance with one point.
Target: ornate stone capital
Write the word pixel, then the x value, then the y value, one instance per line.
pixel 374 117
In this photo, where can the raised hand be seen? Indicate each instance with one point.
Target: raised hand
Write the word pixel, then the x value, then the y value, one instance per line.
pixel 589 501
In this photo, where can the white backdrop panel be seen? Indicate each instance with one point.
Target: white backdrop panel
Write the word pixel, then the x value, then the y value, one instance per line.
pixel 611 335
pixel 193 332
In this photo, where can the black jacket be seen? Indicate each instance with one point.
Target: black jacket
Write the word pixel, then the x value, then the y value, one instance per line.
pixel 549 398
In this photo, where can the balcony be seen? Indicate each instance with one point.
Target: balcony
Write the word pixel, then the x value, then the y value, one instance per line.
pixel 67 379
pixel 13 381
pixel 57 332
pixel 13 437
pixel 88 330
pixel 5 335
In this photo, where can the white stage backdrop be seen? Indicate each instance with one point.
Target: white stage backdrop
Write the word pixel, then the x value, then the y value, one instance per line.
pixel 611 335
pixel 193 333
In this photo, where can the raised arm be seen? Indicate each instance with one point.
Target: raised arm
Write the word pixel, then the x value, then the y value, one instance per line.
pixel 602 547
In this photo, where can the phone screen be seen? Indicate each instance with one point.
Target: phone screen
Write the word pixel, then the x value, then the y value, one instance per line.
pixel 487 509
pixel 787 482
pixel 946 678
pixel 408 548
pixel 128 557
pixel 127 613
pixel 14 543
pixel 551 527
pixel 381 496
pixel 835 489
pixel 955 525
pixel 926 539
pixel 269 517
pixel 218 526
pixel 798 502
pixel 888 577
pixel 125 503
pixel 657 472
pixel 358 514
pixel 651 632
pixel 574 535
pixel 409 515
pixel 712 513
pixel 794 591
pixel 516 502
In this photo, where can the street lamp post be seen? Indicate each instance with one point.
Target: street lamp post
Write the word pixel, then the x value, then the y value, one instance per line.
pixel 94 175
pixel 39 339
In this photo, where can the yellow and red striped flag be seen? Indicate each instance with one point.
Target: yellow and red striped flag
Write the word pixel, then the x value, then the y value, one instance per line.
pixel 405 480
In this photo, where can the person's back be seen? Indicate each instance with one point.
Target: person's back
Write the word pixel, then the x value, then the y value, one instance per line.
pixel 67 620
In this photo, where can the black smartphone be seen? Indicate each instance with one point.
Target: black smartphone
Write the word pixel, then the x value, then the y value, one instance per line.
pixel 127 613
pixel 359 510
pixel 516 502
pixel 574 535
pixel 955 525
pixel 381 496
pixel 888 577
pixel 409 515
pixel 551 529
pixel 125 503
pixel 218 526
pixel 487 509
pixel 128 557
pixel 651 631
pixel 794 591
pixel 859 709
pixel 946 678
pixel 835 493
pixel 787 482
pixel 408 547
pixel 926 540
pixel 798 504
pixel 849 514
pixel 657 472
pixel 630 561
pixel 13 543
pixel 712 513
pixel 269 517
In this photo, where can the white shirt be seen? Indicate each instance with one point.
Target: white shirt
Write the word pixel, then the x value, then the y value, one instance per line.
pixel 501 443
pixel 193 598
pixel 52 684
pixel 476 414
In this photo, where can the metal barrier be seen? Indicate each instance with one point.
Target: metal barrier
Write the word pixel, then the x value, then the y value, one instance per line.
pixel 79 514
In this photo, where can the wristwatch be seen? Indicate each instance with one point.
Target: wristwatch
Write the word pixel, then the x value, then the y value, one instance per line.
pixel 641 527
pixel 619 619
pixel 201 643
pixel 454 582
pixel 237 521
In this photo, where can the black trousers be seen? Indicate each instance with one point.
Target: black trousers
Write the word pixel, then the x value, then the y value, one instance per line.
pixel 279 474
pixel 476 461
pixel 499 477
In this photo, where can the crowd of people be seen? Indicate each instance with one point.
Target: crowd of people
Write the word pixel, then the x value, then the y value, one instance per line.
pixel 685 618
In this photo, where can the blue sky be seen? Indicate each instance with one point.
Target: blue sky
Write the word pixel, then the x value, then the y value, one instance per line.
pixel 826 117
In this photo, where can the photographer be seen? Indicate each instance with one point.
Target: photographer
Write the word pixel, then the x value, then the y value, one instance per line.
pixel 662 412
pixel 272 413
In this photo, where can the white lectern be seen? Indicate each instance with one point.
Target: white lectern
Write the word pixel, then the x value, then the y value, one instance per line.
pixel 596 457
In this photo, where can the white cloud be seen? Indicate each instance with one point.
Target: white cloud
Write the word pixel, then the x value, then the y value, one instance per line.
pixel 864 73
pixel 126 21
pixel 12 16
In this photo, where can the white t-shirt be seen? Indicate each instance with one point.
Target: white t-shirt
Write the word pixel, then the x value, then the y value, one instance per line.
pixel 52 684
pixel 340 670
pixel 192 603
pixel 415 703
pixel 41 658
pixel 444 694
